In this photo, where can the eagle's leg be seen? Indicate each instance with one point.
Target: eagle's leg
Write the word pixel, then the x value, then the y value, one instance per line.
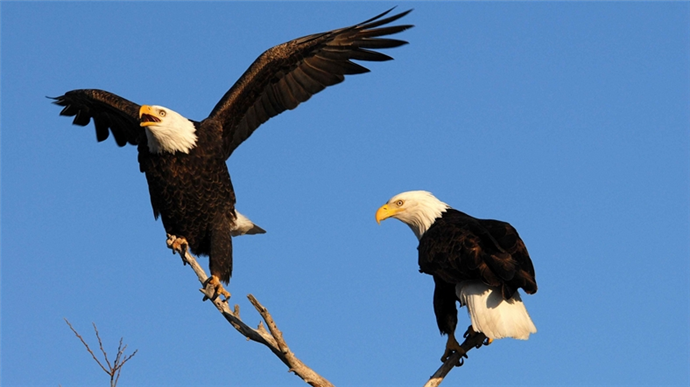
pixel 180 245
pixel 452 346
pixel 220 256
pixel 217 287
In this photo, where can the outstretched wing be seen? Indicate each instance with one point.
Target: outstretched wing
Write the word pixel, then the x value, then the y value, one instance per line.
pixel 290 73
pixel 110 113
pixel 458 247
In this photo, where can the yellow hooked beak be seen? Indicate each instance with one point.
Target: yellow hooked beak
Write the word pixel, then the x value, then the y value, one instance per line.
pixel 148 116
pixel 385 212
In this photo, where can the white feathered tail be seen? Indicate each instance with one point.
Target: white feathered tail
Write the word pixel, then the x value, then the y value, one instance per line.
pixel 244 226
pixel 491 314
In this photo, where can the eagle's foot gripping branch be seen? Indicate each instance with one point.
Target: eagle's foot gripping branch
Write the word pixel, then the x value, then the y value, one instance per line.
pixel 452 347
pixel 179 245
pixel 472 335
pixel 215 288
pixel 473 339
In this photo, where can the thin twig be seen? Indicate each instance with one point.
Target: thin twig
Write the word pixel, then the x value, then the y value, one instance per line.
pixel 100 344
pixel 87 346
pixel 273 340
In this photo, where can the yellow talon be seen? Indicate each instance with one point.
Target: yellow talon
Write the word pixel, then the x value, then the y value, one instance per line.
pixel 179 245
pixel 217 287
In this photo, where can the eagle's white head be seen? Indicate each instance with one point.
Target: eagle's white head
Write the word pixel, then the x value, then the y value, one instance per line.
pixel 167 130
pixel 417 209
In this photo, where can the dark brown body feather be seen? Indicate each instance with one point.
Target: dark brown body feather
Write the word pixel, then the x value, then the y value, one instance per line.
pixel 459 247
pixel 193 192
pixel 194 197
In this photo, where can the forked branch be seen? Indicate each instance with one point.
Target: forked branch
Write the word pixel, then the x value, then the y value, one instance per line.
pixel 113 370
pixel 273 338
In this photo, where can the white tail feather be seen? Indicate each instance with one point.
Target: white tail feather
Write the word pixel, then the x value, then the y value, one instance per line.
pixel 244 226
pixel 491 314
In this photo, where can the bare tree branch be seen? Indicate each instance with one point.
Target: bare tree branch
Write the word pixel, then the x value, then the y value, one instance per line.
pixel 113 369
pixel 100 345
pixel 457 359
pixel 273 339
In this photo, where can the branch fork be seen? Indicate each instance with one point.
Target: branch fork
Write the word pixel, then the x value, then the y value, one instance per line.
pixel 271 338
pixel 113 370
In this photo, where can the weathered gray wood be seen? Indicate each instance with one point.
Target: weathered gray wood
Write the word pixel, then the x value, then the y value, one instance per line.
pixel 273 338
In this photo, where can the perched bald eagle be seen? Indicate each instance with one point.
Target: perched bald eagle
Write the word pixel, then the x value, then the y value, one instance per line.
pixel 479 262
pixel 184 160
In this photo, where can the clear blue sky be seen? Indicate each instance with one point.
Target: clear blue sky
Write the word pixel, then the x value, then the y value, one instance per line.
pixel 571 121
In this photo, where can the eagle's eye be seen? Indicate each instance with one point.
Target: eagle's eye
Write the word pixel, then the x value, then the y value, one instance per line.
pixel 161 113
pixel 399 203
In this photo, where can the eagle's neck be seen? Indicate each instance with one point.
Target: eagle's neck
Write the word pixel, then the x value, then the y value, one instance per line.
pixel 424 220
pixel 172 135
pixel 422 212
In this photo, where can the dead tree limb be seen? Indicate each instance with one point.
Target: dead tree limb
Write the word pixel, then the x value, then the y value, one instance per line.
pixel 273 339
pixel 457 359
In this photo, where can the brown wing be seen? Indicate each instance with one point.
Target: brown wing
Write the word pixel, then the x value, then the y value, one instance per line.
pixel 110 113
pixel 458 247
pixel 507 238
pixel 290 73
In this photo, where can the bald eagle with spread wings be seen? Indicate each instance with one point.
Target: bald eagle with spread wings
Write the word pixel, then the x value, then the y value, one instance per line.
pixel 184 160
pixel 479 262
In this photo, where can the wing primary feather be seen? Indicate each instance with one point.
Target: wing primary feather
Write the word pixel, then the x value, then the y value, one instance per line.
pixel 381 43
pixel 384 31
pixel 81 118
pixel 372 56
pixel 382 14
pixel 373 24
pixel 323 77
pixel 102 130
pixel 339 67
pixel 309 84
pixel 69 111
